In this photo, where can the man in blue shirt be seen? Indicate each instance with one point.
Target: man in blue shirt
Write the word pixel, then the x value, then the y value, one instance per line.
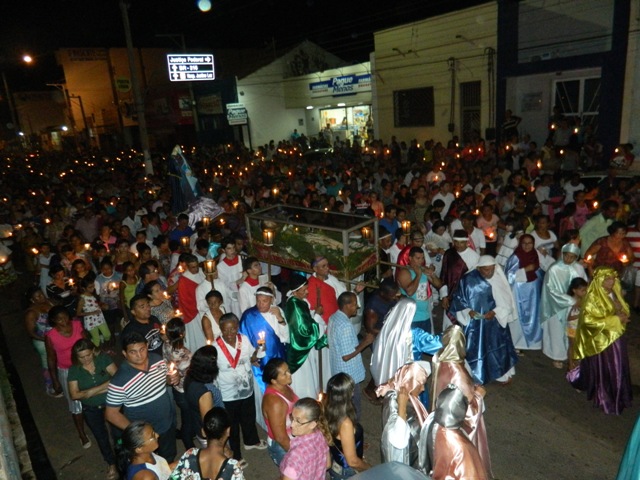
pixel 344 349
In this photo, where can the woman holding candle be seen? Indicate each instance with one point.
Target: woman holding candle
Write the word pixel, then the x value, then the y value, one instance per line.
pixel 600 346
pixel 178 357
pixel 128 286
pixel 235 380
pixel 161 307
pixel 613 251
pixel 61 290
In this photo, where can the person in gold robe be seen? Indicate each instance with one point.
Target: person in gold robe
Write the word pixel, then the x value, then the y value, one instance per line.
pixel 600 346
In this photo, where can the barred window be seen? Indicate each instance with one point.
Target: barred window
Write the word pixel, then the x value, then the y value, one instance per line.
pixel 413 107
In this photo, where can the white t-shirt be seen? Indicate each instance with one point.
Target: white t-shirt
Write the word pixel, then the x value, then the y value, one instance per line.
pixel 235 383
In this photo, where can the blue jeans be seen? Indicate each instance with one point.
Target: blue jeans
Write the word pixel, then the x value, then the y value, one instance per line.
pixel 276 452
pixel 342 474
pixel 94 416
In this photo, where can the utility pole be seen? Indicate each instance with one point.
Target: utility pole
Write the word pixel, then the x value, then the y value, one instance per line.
pixel 137 92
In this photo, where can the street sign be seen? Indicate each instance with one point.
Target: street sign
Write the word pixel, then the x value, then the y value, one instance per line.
pixel 237 114
pixel 187 67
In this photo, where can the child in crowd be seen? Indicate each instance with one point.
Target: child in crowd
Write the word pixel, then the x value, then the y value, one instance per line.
pixel 89 309
pixel 577 290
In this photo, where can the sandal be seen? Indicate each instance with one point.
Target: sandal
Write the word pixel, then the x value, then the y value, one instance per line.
pixel 261 445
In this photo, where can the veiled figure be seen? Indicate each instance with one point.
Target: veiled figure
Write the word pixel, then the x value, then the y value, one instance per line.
pixel 448 367
pixel 452 456
pixel 556 302
pixel 398 343
pixel 525 275
pixel 404 416
pixel 600 346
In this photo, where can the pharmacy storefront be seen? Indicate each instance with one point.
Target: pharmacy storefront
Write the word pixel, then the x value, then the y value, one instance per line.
pixel 337 102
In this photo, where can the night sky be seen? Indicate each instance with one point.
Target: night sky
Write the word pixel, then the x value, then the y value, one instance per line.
pixel 344 28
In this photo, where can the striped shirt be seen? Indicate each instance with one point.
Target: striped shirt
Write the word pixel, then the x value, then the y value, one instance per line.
pixel 143 395
pixel 633 237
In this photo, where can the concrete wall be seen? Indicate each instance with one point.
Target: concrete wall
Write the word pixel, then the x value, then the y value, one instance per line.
pixel 415 55
pixel 630 128
pixel 521 89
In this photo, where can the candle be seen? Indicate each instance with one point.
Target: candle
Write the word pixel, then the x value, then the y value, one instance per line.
pixel 624 259
pixel 320 397
pixel 206 221
pixel 184 241
pixel 209 265
pixel 435 178
pixel 35 251
pixel 3 259
pixel 539 164
pixel 235 204
pixel 261 345
pixel 178 313
pixel 180 268
pixel 457 194
pixel 222 222
pixel 163 329
pixel 366 233
pixel 561 152
pixel 71 282
pixel 47 221
pixel 476 212
pixel 209 342
pixel 267 237
pixel 595 204
pixel 172 368
pixel 165 294
pixel 553 126
pixel 275 191
pixel 491 235
pixel 588 259
pixel 406 227
pixel 114 285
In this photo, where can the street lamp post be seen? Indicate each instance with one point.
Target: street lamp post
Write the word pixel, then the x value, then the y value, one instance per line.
pixel 12 107
pixel 137 92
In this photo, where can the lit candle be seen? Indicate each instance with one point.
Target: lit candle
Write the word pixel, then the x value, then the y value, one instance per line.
pixel 178 313
pixel 3 259
pixel 561 152
pixel 406 227
pixel 320 397
pixel 275 191
pixel 209 265
pixel 206 221
pixel 209 342
pixel 114 285
pixel 172 368
pixel 595 204
pixel 457 194
pixel 261 345
pixel 184 241
pixel 539 164
pixel 165 294
pixel 267 236
pixel 624 258
pixel 476 212
pixel 46 220
pixel 235 204
pixel 366 233
pixel 163 329
pixel 35 251
pixel 588 259
pixel 553 126
pixel 491 235
pixel 180 268
pixel 71 282
pixel 222 222
pixel 575 130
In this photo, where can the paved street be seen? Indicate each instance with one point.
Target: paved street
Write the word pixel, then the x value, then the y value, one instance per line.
pixel 539 427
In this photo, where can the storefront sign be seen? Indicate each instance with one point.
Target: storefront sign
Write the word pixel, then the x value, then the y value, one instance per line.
pixel 237 114
pixel 338 86
pixel 123 84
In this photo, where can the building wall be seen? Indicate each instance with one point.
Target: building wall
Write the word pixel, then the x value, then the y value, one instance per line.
pixel 415 55
pixel 274 92
pixel 262 94
pixel 630 128
pixel 523 94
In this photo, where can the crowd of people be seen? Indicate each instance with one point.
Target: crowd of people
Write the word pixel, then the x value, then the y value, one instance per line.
pixel 138 311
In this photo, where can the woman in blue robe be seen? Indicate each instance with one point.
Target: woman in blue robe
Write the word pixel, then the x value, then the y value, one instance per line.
pixel 525 276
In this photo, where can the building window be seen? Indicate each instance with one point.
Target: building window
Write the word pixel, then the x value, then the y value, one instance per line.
pixel 470 110
pixel 414 107
pixel 579 101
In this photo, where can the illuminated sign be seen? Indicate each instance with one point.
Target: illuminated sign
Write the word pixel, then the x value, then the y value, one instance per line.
pixel 345 85
pixel 186 67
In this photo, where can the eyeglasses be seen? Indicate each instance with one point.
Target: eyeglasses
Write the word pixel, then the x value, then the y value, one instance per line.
pixel 293 419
